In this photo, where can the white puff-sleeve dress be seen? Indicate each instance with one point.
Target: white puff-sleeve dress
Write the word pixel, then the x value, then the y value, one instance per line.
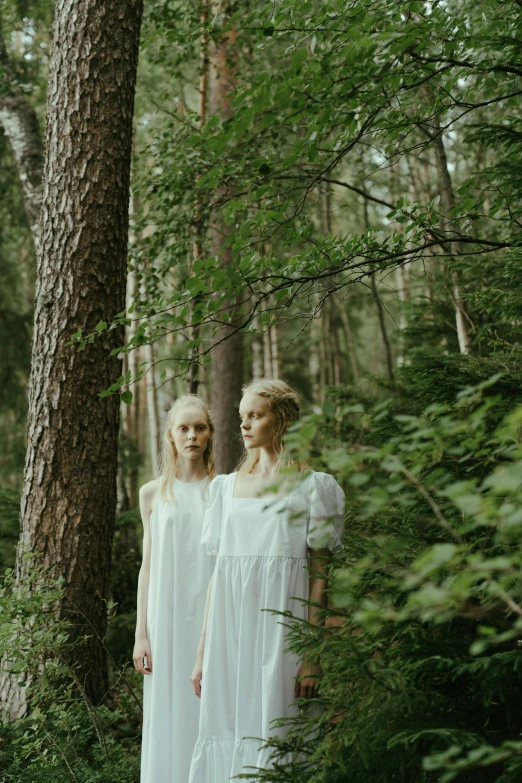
pixel 179 575
pixel 262 556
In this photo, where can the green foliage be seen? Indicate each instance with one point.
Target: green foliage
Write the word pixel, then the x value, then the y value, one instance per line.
pixel 334 96
pixel 9 527
pixel 421 663
pixel 126 563
pixel 63 737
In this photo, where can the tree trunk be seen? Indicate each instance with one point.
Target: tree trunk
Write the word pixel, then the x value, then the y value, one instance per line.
pixel 131 420
pixel 152 410
pixel 69 494
pixel 267 353
pixel 20 124
pixel 227 354
pixel 274 350
pixel 314 362
pixel 350 342
pixel 323 369
pixel 447 196
pixel 402 275
pixel 197 246
pixel 257 353
pixel 382 326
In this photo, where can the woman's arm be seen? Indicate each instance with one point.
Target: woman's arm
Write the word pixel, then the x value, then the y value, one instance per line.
pixel 148 494
pixel 306 681
pixel 197 671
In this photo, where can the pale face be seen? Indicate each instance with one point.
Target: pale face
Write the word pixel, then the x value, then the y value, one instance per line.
pixel 258 423
pixel 190 432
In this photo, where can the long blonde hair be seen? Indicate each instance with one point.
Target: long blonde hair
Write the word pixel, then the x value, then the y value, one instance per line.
pixel 169 453
pixel 284 404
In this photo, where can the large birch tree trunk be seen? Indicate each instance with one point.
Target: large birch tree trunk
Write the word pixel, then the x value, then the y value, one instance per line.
pixel 20 125
pixel 69 495
pixel 227 355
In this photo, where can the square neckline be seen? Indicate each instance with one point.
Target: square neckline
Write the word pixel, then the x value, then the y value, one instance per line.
pixel 265 498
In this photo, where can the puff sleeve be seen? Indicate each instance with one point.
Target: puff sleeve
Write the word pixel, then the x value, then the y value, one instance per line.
pixel 326 513
pixel 211 530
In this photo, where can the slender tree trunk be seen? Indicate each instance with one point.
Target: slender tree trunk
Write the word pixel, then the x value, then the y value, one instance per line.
pixel 132 412
pixel 323 375
pixel 131 421
pixel 314 362
pixel 257 353
pixel 197 247
pixel 336 365
pixel 403 279
pixel 227 354
pixel 402 271
pixel 152 410
pixel 69 494
pixel 447 195
pixel 382 326
pixel 350 343
pixel 20 124
pixel 274 350
pixel 267 353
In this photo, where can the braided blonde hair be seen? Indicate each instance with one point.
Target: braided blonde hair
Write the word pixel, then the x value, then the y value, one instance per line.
pixel 169 454
pixel 284 404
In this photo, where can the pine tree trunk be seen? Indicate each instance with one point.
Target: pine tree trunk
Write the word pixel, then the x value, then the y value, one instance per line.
pixel 227 354
pixel 20 124
pixel 69 494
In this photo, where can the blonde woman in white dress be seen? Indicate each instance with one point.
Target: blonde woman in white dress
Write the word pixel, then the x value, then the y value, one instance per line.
pixel 171 591
pixel 264 540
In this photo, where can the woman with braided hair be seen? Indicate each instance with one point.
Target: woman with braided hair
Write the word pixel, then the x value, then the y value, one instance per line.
pixel 265 532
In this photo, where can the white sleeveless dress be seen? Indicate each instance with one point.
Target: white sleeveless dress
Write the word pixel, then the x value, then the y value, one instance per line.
pixel 248 680
pixel 180 572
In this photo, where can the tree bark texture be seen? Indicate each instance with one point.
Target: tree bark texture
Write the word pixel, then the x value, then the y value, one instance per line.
pixel 69 495
pixel 20 124
pixel 227 354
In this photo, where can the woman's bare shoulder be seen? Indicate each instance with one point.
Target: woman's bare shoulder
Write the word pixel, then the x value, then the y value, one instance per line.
pixel 149 492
